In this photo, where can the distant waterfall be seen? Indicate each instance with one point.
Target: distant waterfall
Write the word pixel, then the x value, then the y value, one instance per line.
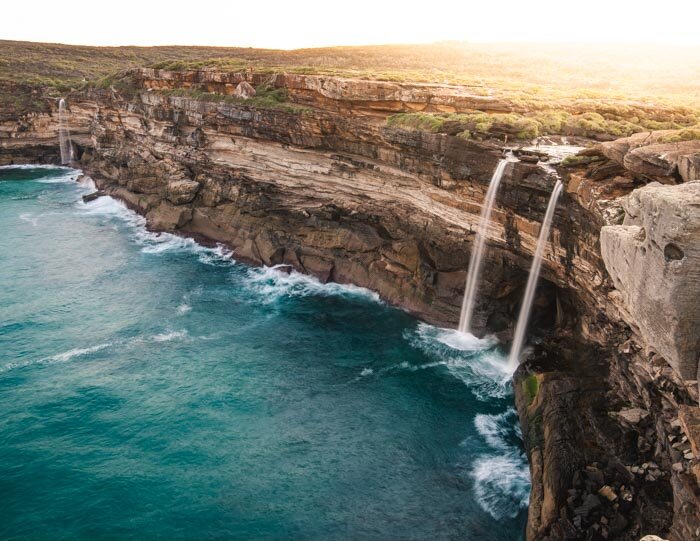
pixel 64 141
pixel 521 327
pixel 475 261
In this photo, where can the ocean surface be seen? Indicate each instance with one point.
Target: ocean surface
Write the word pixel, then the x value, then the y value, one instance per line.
pixel 151 388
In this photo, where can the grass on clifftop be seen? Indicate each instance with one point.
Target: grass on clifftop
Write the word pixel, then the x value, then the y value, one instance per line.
pixel 612 123
pixel 692 134
pixel 531 78
pixel 537 71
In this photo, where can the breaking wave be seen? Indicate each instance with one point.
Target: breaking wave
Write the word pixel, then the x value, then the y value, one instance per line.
pixel 153 242
pixel 272 283
pixel 477 362
pixel 70 175
pixel 29 218
pixel 60 174
pixel 501 476
pixel 58 358
pixel 169 336
pixel 501 484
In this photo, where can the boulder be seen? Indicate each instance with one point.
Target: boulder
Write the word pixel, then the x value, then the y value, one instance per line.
pixel 632 416
pixel 92 196
pixel 180 192
pixel 167 217
pixel 244 90
pixel 653 259
pixel 663 160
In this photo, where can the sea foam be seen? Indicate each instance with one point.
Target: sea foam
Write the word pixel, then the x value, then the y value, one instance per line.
pixel 476 362
pixel 272 283
pixel 153 242
pixel 501 477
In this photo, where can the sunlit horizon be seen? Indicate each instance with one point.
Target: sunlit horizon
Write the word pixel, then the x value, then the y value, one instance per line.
pixel 314 24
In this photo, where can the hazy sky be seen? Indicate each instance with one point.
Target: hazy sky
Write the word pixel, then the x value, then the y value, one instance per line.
pixel 311 23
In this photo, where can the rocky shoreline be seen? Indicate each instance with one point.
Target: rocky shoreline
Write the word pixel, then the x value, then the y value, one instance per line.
pixel 609 396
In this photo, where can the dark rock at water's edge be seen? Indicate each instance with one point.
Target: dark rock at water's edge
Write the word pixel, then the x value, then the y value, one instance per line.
pixel 607 399
pixel 94 195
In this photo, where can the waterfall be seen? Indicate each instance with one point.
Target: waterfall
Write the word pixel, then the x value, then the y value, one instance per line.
pixel 475 261
pixel 64 141
pixel 521 327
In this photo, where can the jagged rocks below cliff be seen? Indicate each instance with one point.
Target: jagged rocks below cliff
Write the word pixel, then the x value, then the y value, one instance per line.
pixel 604 473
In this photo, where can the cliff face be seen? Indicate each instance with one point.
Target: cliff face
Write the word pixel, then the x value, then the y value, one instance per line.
pixel 327 188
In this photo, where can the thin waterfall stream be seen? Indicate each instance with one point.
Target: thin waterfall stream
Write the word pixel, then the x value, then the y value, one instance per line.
pixel 476 260
pixel 64 140
pixel 526 307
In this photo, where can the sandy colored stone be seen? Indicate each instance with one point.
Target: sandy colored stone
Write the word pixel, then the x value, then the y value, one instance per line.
pixel 167 217
pixel 633 415
pixel 181 191
pixel 654 262
pixel 646 154
pixel 244 90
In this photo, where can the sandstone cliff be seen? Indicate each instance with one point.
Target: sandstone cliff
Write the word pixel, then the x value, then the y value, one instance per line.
pixel 324 186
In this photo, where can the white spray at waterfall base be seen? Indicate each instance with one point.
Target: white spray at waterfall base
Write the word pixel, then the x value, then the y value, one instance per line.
pixel 526 307
pixel 475 262
pixel 64 140
pixel 499 472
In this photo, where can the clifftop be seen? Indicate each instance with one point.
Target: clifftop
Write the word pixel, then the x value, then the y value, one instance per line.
pixel 631 89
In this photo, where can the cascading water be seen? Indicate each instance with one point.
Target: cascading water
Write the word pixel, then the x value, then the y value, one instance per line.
pixel 514 357
pixel 475 262
pixel 64 141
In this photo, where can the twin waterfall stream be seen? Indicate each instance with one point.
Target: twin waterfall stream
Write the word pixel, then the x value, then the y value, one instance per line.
pixel 521 327
pixel 476 260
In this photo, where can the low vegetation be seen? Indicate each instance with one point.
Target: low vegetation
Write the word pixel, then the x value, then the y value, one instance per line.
pixel 578 161
pixel 553 89
pixel 692 134
pixel 526 126
pixel 531 387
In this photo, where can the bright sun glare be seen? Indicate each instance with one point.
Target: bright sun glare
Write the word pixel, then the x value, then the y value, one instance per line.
pixel 314 23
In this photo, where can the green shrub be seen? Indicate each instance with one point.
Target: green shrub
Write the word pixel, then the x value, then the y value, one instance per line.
pixel 417 121
pixel 531 387
pixel 690 134
pixel 552 122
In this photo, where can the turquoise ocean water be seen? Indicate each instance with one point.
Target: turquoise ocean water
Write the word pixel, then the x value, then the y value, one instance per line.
pixel 151 388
